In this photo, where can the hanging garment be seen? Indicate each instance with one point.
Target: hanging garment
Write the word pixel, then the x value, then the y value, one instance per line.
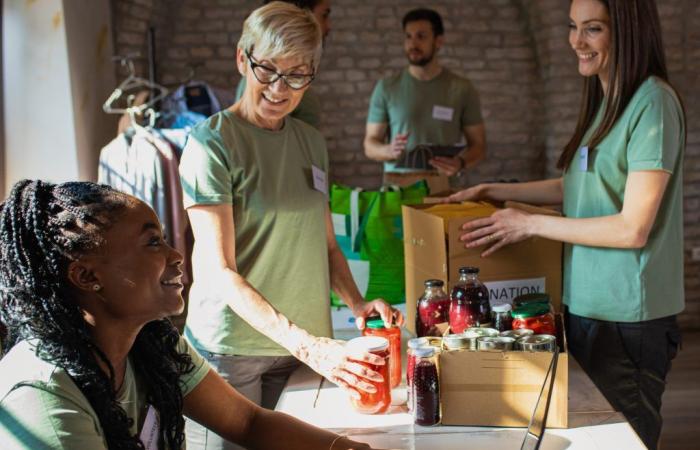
pixel 193 97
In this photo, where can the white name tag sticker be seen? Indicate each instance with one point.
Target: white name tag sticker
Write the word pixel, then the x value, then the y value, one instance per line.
pixel 151 429
pixel 583 159
pixel 320 179
pixel 443 113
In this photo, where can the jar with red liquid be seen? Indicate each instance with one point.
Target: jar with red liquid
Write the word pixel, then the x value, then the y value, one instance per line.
pixel 536 317
pixel 375 327
pixel 433 308
pixel 380 400
pixel 425 389
pixel 410 364
pixel 469 302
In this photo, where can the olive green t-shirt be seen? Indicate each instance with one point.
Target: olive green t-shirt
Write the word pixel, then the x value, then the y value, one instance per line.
pixel 629 285
pixel 280 227
pixel 41 408
pixel 308 110
pixel 432 112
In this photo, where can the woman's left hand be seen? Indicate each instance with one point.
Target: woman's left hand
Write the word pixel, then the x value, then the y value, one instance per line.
pixel 447 166
pixel 503 227
pixel 362 310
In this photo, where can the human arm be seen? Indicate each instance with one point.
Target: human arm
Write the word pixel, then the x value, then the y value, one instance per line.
pixel 219 407
pixel 343 284
pixel 474 153
pixel 542 192
pixel 376 147
pixel 629 228
pixel 214 265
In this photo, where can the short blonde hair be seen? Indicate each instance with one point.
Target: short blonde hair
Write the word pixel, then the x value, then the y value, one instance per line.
pixel 282 30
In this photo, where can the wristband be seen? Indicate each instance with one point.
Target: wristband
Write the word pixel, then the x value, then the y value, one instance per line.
pixel 334 441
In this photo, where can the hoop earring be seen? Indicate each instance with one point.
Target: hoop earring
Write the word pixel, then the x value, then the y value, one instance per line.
pixel 96 287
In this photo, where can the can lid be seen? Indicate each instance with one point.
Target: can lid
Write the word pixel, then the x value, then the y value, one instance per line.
pixel 505 307
pixel 434 283
pixel 375 323
pixel 417 342
pixel 530 310
pixel 535 297
pixel 468 269
pixel 537 339
pixel 424 352
pixel 369 343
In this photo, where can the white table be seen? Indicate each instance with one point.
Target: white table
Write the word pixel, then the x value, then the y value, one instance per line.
pixel 592 422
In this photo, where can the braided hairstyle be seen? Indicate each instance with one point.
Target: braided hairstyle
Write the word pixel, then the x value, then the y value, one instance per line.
pixel 43 227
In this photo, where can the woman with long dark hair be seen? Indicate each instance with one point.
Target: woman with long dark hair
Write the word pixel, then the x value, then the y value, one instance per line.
pixel 92 362
pixel 622 198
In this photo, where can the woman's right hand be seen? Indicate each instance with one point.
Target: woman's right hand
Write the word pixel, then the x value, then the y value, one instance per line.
pixel 342 366
pixel 471 194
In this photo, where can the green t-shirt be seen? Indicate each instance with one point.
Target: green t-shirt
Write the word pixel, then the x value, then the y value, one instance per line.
pixel 432 112
pixel 280 226
pixel 308 110
pixel 41 408
pixel 629 285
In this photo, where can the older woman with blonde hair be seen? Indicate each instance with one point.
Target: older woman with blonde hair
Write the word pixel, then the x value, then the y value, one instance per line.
pixel 265 256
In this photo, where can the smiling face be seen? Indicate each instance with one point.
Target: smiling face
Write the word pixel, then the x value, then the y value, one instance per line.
pixel 420 42
pixel 591 38
pixel 270 103
pixel 138 272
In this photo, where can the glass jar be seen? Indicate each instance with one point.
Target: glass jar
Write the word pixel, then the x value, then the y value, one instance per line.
pixel 426 388
pixel 536 317
pixel 375 327
pixel 469 302
pixel 411 363
pixel 535 297
pixel 501 317
pixel 380 400
pixel 433 308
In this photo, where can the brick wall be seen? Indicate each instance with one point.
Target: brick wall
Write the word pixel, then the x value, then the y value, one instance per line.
pixel 515 52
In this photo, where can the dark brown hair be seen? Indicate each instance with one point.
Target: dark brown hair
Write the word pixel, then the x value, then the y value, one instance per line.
pixel 636 53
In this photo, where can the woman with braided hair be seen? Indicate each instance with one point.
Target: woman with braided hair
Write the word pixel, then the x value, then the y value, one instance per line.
pixel 92 362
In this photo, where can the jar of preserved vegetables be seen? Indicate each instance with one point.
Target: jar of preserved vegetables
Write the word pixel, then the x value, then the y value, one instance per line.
pixel 379 401
pixel 536 317
pixel 375 327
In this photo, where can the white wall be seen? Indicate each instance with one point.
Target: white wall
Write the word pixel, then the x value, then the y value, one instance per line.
pixel 57 72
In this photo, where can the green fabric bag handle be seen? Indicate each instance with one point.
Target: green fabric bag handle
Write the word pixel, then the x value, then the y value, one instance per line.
pixel 356 238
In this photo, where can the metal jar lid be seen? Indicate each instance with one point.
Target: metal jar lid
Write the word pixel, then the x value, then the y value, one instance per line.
pixel 517 334
pixel 538 343
pixel 417 342
pixel 455 342
pixel 480 332
pixel 495 344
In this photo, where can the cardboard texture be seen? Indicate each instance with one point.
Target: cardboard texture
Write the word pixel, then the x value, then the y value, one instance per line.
pixel 432 249
pixel 435 181
pixel 501 388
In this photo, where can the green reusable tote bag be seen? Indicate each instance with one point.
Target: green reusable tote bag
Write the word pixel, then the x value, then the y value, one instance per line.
pixel 369 231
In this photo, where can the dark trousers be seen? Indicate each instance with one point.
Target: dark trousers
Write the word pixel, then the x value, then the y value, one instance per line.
pixel 628 362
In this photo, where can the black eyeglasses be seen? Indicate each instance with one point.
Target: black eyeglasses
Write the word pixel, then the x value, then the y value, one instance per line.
pixel 268 75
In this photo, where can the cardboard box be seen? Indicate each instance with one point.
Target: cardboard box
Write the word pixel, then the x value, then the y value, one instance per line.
pixel 501 388
pixel 432 249
pixel 435 181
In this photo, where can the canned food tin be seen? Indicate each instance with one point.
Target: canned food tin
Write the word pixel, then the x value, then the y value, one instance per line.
pixel 517 334
pixel 538 343
pixel 495 344
pixel 486 332
pixel 435 342
pixel 455 342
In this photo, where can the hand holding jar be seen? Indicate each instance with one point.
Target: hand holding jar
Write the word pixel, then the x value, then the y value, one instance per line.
pixel 349 368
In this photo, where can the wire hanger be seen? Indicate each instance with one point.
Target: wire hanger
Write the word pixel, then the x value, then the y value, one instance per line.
pixel 131 83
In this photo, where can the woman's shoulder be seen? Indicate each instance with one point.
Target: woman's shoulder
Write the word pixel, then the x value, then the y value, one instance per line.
pixel 654 89
pixel 21 367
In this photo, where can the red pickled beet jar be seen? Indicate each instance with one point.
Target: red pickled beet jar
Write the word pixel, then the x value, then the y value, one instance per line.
pixel 379 401
pixel 469 302
pixel 536 317
pixel 375 327
pixel 433 308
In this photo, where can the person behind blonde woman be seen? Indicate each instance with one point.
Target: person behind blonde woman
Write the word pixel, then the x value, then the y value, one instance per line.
pixel 622 198
pixel 265 258
pixel 87 282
